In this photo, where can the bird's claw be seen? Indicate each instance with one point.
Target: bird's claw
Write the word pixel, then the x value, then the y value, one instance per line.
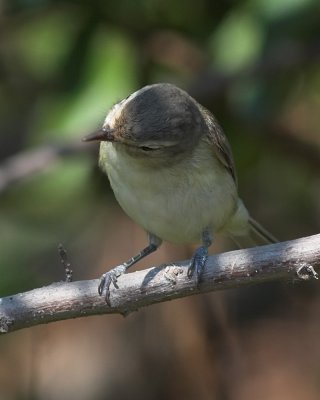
pixel 198 262
pixel 110 277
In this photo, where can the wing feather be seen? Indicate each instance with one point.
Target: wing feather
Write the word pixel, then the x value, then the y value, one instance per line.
pixel 219 142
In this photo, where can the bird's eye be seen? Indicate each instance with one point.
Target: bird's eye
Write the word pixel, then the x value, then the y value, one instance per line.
pixel 146 148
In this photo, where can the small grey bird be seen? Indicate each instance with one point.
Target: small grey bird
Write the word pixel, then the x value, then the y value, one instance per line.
pixel 171 169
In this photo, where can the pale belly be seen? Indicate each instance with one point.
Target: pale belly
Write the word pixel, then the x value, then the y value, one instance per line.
pixel 174 203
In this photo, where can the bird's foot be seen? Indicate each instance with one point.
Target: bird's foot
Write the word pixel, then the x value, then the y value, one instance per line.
pixel 110 277
pixel 198 262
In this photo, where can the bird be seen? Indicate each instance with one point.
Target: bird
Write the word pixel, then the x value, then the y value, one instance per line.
pixel 171 169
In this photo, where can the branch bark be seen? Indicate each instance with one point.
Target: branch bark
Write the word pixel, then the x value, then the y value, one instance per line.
pixel 287 261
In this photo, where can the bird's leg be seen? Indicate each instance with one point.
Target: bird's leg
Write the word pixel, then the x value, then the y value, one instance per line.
pixel 112 276
pixel 200 256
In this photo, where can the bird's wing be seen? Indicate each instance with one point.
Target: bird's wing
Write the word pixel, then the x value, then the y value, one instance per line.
pixel 219 142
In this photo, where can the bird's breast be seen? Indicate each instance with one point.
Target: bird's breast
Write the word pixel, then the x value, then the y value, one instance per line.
pixel 176 203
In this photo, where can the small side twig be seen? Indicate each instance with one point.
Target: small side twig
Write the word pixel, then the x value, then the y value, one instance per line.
pixel 65 263
pixel 306 272
pixel 30 162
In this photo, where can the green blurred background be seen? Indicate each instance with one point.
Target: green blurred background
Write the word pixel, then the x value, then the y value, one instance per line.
pixel 255 64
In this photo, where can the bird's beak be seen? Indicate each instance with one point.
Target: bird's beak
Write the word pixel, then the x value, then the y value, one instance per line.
pixel 102 135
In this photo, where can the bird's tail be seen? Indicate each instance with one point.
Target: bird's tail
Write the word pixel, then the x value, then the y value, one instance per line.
pixel 246 231
pixel 256 236
pixel 258 230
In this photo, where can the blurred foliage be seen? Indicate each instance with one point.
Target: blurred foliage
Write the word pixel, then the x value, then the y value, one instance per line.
pixel 255 64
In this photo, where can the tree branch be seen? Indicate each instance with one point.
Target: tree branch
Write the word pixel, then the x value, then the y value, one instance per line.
pixel 287 261
pixel 30 162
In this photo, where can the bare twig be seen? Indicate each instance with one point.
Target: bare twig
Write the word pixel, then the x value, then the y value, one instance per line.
pixel 65 263
pixel 287 261
pixel 27 163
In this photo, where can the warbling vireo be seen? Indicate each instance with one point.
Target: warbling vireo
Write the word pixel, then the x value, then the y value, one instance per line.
pixel 171 169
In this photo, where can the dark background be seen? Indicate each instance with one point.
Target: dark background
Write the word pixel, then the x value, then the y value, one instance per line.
pixel 255 64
